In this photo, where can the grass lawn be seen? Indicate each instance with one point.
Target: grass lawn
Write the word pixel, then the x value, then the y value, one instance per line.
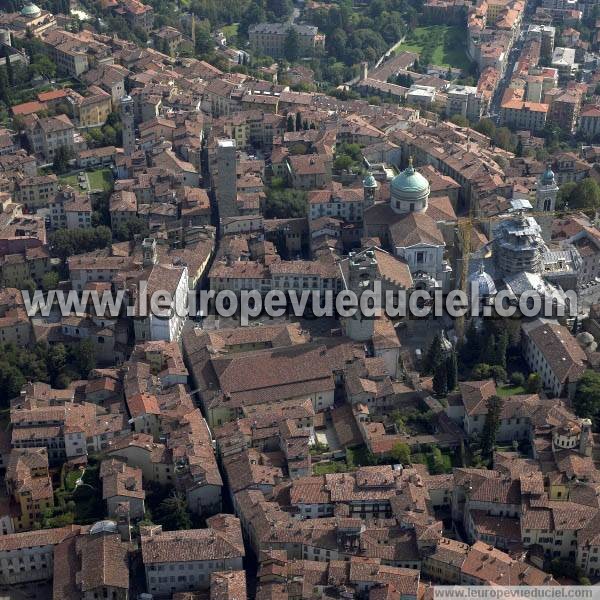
pixel 100 180
pixel 510 390
pixel 70 180
pixel 427 459
pixel 329 467
pixel 449 49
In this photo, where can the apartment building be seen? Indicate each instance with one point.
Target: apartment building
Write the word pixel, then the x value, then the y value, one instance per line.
pixel 268 39
pixel 15 326
pixel 338 202
pixel 309 172
pixel 93 109
pixel 43 417
pixel 29 487
pixel 551 351
pixel 94 564
pixel 589 121
pixel 521 114
pixel 464 100
pixel 67 51
pixel 122 484
pixel 564 110
pixel 29 556
pixel 179 561
pixel 48 134
pixel 36 192
pixel 123 207
pixel 137 14
pixel 85 268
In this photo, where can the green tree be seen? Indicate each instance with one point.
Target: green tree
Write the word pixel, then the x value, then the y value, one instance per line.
pixel 56 362
pixel 491 425
pixel 42 66
pixel 66 242
pixel 433 356
pixel 50 281
pixel 586 401
pixel 459 120
pixel 4 88
pixel 290 123
pixel 585 195
pixel 481 371
pixel 291 45
pixel 534 383
pixel 172 513
pixel 405 80
pixel 505 139
pixel 436 463
pixel 470 348
pixel 135 226
pixel 489 350
pixel 62 156
pixel 298 121
pixel 487 127
pixel 11 382
pixel 10 75
pixel 452 371
pixel 401 453
pixel 517 378
pixel 204 43
pixel 498 372
pixel 85 357
pixel 343 162
pixel 440 378
pixel 564 194
pixel 285 204
pixel 502 348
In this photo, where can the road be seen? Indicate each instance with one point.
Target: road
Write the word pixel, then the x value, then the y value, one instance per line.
pixel 494 108
pixel 513 56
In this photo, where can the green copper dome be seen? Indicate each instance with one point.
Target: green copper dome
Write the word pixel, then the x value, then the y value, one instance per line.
pixel 369 181
pixel 410 182
pixel 548 176
pixel 30 10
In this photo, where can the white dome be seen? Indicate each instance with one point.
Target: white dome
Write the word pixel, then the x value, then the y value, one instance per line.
pixel 105 526
pixel 485 283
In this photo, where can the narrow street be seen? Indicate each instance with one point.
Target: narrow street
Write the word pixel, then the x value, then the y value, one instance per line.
pixel 515 51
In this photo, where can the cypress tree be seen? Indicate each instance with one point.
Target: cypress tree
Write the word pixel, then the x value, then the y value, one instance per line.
pixel 440 379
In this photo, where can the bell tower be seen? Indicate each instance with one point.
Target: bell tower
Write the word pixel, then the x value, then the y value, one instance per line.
pixel 362 274
pixel 547 192
pixel 149 256
pixel 369 191
pixel 127 119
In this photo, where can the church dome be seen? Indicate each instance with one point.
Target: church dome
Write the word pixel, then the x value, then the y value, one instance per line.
pixel 369 181
pixel 548 176
pixel 409 191
pixel 31 10
pixel 485 283
pixel 411 182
